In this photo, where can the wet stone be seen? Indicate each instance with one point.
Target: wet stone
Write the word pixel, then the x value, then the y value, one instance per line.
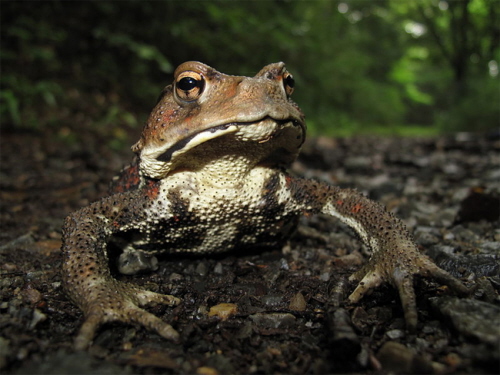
pixel 471 318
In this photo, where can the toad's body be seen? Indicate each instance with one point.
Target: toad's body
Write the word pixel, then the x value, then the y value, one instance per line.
pixel 193 213
pixel 210 176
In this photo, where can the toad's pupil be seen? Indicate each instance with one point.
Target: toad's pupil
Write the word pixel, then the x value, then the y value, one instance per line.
pixel 187 83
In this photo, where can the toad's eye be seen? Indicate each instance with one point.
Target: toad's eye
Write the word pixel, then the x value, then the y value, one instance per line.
pixel 189 86
pixel 288 83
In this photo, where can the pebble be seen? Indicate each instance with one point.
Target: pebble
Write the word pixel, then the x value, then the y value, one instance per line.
pixel 395 357
pixel 472 318
pixel 175 277
pixel 395 334
pixel 298 302
pixel 490 247
pixel 205 370
pixel 218 269
pixel 223 311
pixel 38 317
pixel 133 262
pixel 31 295
pixel 284 264
pixel 201 269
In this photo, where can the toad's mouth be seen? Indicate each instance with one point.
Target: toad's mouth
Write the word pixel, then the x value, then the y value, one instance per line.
pixel 259 131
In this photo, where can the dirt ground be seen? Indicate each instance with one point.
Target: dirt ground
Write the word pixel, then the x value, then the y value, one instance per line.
pixel 287 312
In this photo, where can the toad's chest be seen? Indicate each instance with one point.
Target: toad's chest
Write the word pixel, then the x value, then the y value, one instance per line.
pixel 187 216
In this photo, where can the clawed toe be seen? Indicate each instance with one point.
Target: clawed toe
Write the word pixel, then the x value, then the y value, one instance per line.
pixel 431 270
pixel 404 283
pixel 87 332
pixel 401 275
pixel 123 306
pixel 370 280
pixel 146 297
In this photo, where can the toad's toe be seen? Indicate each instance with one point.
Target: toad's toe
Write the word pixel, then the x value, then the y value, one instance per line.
pixel 123 306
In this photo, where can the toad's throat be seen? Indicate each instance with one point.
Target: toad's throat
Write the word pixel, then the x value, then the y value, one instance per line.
pixel 215 132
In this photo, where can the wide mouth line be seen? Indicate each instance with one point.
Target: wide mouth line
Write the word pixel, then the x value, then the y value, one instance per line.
pixel 247 123
pixel 167 155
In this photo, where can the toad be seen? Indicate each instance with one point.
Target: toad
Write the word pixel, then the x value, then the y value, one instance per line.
pixel 210 176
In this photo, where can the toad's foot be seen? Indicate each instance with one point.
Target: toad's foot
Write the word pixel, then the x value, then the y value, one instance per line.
pixel 121 302
pixel 399 271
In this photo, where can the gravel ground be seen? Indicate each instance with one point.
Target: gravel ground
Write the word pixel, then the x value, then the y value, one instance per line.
pixel 271 310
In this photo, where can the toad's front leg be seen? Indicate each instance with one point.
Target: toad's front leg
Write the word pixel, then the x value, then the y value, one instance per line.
pixel 395 257
pixel 87 278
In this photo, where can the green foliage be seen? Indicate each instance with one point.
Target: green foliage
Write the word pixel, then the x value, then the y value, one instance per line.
pixel 360 66
pixel 445 69
pixel 476 111
pixel 407 70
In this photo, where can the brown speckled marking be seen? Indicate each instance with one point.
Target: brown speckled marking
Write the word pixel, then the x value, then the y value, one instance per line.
pixel 152 189
pixel 128 179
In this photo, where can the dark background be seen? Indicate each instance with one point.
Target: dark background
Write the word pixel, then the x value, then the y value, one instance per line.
pixel 388 67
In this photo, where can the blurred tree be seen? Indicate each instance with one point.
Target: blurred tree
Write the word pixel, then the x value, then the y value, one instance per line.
pixel 457 43
pixel 358 64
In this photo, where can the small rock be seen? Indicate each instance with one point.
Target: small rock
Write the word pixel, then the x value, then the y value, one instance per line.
pixel 133 262
pixel 395 334
pixel 325 276
pixel 449 236
pixel 357 162
pixel 453 360
pixel 31 295
pixel 472 318
pixel 446 216
pixel 150 357
pixel 452 169
pixel 223 310
pixel 396 357
pixel 25 241
pixel 9 267
pixel 425 237
pixel 284 264
pixel 298 302
pixel 490 247
pixel 201 269
pixel 204 370
pixel 38 317
pixel 175 277
pixel 218 269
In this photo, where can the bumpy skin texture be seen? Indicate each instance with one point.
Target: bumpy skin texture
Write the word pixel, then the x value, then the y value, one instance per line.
pixel 210 176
